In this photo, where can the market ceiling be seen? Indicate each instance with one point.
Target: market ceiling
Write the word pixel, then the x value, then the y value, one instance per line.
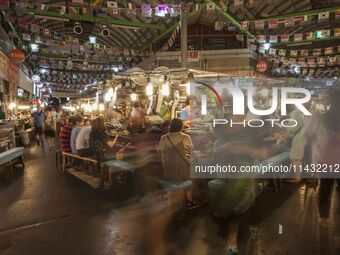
pixel 131 29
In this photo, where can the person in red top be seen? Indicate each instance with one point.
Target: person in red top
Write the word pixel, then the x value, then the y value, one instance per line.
pixel 65 135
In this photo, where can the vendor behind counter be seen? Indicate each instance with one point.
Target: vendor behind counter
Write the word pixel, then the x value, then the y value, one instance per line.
pixel 137 116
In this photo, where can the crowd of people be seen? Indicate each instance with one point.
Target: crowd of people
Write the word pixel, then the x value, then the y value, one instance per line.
pixel 315 139
pixel 77 135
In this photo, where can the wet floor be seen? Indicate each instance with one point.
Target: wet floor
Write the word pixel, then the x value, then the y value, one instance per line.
pixel 44 211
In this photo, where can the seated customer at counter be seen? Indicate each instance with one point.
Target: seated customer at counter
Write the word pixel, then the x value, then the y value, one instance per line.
pixel 98 137
pixel 174 147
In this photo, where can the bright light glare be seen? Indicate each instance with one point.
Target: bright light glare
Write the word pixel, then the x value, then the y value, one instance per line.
pixel 23 107
pixel 34 47
pixel 165 89
pixel 133 97
pixel 12 105
pixel 266 46
pixel 101 107
pixel 92 39
pixel 149 89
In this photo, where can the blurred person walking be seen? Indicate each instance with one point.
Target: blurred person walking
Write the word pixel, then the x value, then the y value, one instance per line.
pixel 38 124
pixel 50 129
pixel 323 133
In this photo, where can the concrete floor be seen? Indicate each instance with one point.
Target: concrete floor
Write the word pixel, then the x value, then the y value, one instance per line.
pixel 43 211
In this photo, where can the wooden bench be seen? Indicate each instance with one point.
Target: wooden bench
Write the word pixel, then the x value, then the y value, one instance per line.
pixel 118 168
pixel 171 186
pixel 12 156
pixel 65 163
pixel 120 175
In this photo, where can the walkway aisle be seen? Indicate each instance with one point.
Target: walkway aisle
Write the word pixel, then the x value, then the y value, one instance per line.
pixel 47 212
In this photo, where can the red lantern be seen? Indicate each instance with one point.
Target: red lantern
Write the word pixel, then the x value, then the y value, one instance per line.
pixel 17 55
pixel 35 102
pixel 261 66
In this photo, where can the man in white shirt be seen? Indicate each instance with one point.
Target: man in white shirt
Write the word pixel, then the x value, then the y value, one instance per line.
pixel 75 131
pixel 83 138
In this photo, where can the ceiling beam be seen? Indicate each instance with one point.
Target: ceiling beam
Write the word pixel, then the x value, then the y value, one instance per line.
pixel 88 18
pixel 170 28
pixel 13 29
pixel 161 35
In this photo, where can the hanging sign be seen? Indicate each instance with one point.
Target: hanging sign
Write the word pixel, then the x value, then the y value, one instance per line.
pixel 35 78
pixel 17 55
pixel 193 56
pixel 261 66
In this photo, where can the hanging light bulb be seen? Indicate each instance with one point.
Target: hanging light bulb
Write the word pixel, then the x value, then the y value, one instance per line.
pixel 95 106
pixel 165 87
pixel 12 105
pixel 149 88
pixel 186 83
pixel 133 97
pixel 110 91
pixel 109 94
pixel 101 107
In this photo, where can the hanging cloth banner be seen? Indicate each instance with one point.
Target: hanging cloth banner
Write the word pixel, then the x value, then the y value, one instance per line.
pixel 323 16
pixel 290 22
pixel 316 52
pixel 273 23
pixel 146 10
pixel 210 6
pixel 284 38
pixel 337 32
pixel 282 52
pixel 304 19
pixel 298 37
pixel 293 53
pixel 329 51
pixel 245 24
pixel 132 8
pixel 218 25
pixel 304 53
pixel 272 51
pixel 273 39
pixel 337 14
pixel 259 24
pixel 261 38
pixel 309 36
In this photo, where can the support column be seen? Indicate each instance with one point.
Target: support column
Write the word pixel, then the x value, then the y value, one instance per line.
pixel 184 36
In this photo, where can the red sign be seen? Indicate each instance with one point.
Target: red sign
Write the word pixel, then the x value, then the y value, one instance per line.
pixel 261 66
pixel 193 56
pixel 17 55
